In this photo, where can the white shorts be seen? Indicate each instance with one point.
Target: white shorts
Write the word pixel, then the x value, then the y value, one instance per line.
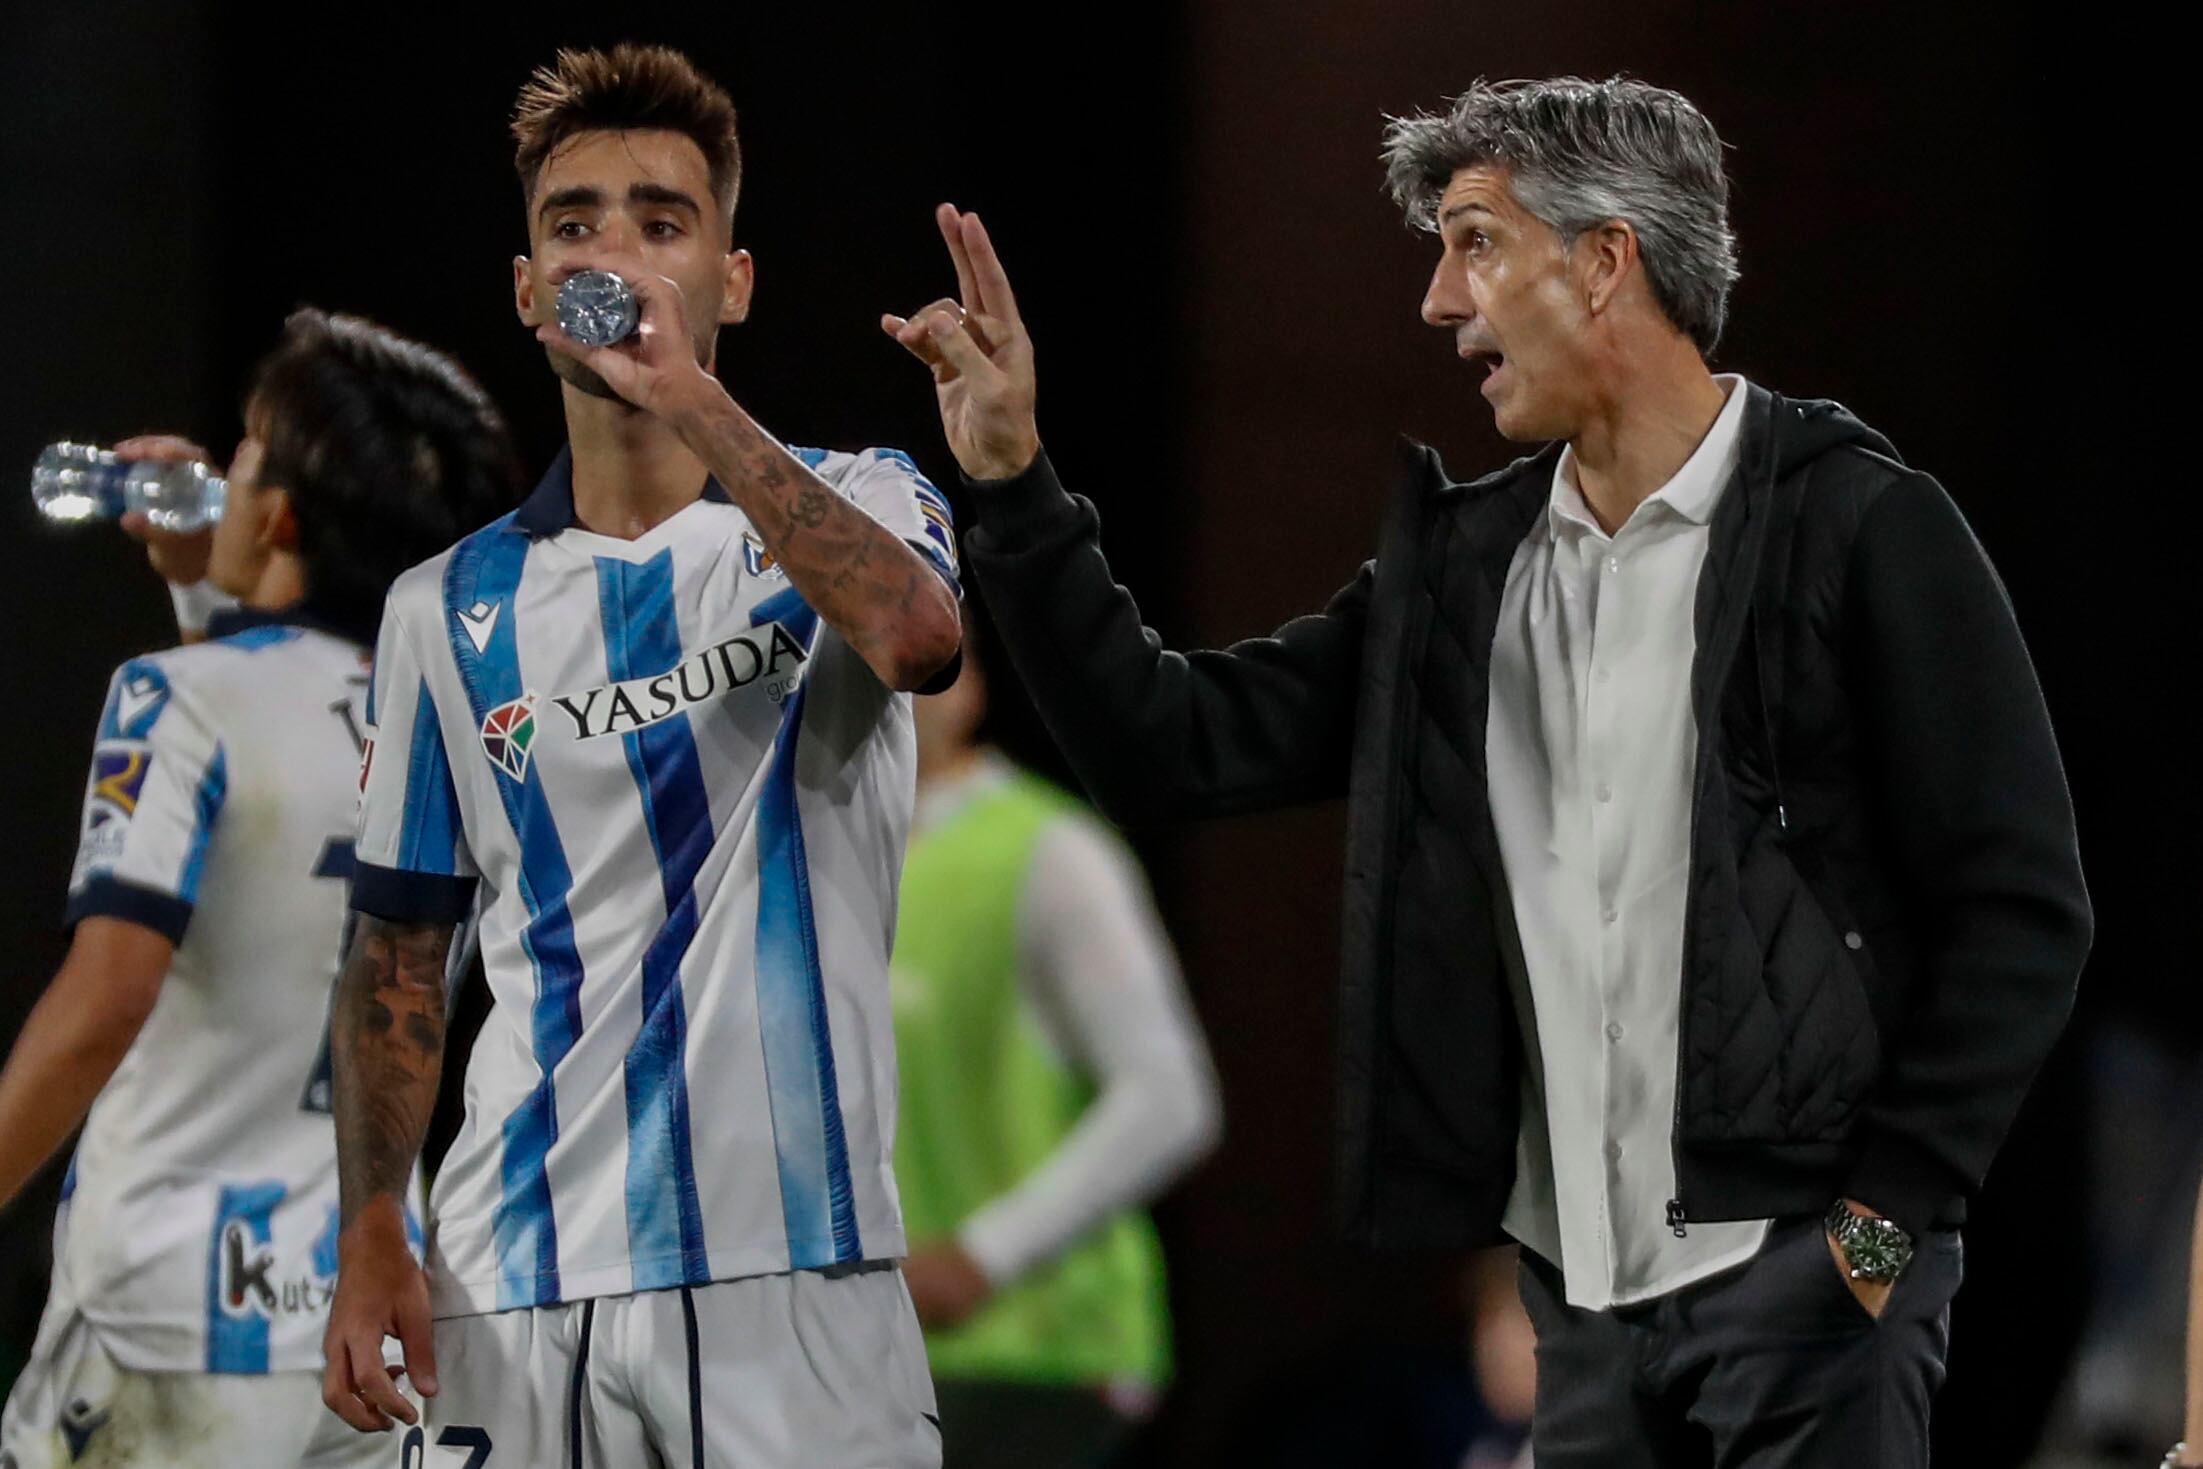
pixel 795 1371
pixel 74 1407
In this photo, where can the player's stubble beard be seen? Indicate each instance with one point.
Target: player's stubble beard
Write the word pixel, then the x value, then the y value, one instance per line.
pixel 570 370
pixel 573 374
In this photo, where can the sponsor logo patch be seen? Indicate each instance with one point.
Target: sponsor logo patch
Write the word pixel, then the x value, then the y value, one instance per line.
pixel 508 733
pixel 119 769
pixel 118 775
pixel 767 657
pixel 246 1265
pixel 756 560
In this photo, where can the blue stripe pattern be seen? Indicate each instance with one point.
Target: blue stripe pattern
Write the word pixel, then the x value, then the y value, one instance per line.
pixel 486 567
pixel 206 809
pixel 665 1220
pixel 817 1203
pixel 239 1343
pixel 428 840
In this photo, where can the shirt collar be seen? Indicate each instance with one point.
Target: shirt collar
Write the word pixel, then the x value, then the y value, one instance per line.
pixel 1692 492
pixel 229 621
pixel 549 509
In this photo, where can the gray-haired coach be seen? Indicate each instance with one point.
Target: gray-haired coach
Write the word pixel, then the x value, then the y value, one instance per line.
pixel 1711 894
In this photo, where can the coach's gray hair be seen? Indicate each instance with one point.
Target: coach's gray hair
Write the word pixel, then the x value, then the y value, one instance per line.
pixel 1580 154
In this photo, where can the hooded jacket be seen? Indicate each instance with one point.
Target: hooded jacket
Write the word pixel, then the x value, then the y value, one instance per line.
pixel 1885 918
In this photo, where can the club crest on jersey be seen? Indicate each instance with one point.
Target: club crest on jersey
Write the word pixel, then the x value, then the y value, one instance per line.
pixel 767 657
pixel 508 732
pixel 756 560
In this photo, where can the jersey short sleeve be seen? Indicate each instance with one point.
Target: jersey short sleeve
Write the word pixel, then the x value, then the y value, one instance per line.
pixel 151 805
pixel 887 485
pixel 413 863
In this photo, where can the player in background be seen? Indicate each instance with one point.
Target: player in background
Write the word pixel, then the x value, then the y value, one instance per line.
pixel 195 1248
pixel 1053 1082
pixel 659 718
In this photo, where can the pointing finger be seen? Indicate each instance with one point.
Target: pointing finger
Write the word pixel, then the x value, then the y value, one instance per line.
pixel 995 298
pixel 967 285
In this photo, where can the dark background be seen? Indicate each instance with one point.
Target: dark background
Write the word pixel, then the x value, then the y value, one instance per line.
pixel 1225 309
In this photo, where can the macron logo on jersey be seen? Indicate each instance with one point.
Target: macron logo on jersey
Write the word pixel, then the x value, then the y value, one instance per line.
pixel 137 697
pixel 768 654
pixel 480 621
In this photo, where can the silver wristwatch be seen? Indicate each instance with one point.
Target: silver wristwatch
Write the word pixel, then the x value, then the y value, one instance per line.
pixel 1874 1249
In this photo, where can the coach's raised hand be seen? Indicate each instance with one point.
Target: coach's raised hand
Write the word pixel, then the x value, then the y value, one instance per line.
pixel 981 356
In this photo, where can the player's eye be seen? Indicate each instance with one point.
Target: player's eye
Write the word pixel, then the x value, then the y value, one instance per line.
pixel 569 229
pixel 662 229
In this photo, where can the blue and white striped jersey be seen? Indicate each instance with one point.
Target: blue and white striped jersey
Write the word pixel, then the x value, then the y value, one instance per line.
pixel 686 801
pixel 199 1226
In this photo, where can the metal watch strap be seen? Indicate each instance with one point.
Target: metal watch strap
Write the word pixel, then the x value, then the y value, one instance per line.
pixel 1873 1249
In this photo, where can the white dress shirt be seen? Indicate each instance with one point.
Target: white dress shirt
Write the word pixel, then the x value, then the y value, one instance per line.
pixel 1591 743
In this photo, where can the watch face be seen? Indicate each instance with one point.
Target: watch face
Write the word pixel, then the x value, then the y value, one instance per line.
pixel 1877 1249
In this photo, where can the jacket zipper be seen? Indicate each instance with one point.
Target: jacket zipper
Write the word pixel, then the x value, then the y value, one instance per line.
pixel 1678 1221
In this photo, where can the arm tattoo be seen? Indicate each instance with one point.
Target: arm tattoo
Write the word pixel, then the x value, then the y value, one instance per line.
pixel 864 581
pixel 387 1051
pixel 813 504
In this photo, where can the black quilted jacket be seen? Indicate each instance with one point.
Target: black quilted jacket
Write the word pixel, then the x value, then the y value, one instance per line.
pixel 1886 916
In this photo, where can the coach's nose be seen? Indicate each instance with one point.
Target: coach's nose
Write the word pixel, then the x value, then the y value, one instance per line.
pixel 1446 301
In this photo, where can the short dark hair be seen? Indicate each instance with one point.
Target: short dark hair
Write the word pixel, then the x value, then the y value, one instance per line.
pixel 389 453
pixel 626 88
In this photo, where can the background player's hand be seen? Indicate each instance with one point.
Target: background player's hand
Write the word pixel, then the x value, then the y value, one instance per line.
pixel 946 1285
pixel 654 368
pixel 179 556
pixel 981 356
pixel 381 1291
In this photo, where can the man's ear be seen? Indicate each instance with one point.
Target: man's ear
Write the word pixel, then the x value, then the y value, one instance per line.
pixel 524 291
pixel 279 532
pixel 741 282
pixel 1609 256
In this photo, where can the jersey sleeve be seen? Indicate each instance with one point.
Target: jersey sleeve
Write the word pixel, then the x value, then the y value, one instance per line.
pixel 413 866
pixel 151 805
pixel 887 485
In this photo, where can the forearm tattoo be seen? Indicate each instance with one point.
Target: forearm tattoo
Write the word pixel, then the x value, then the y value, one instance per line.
pixel 852 570
pixel 387 1052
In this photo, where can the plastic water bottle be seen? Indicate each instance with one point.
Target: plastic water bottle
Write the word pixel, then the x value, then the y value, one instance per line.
pixel 79 482
pixel 596 308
